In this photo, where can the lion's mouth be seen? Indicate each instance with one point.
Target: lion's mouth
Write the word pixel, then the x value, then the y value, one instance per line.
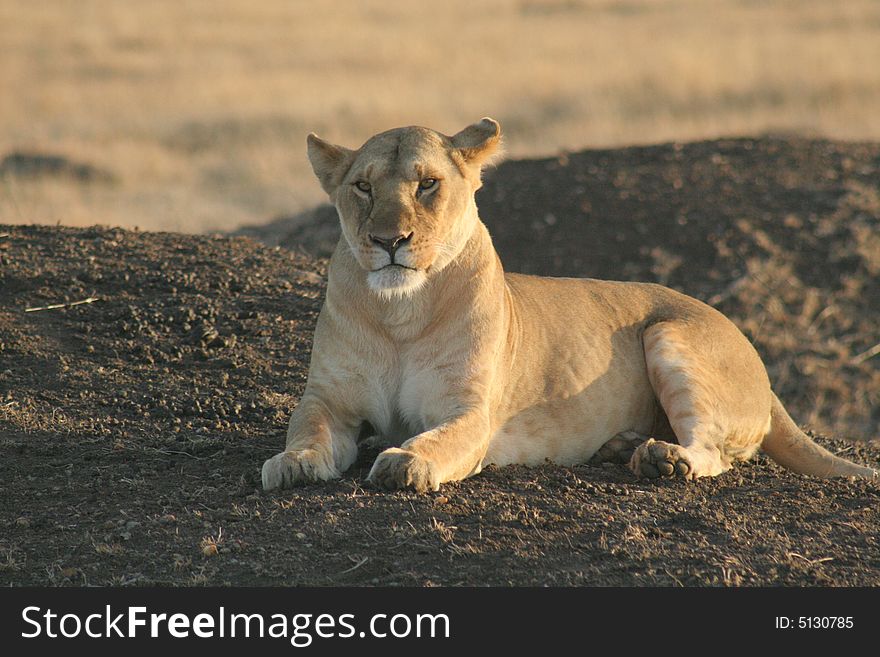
pixel 395 264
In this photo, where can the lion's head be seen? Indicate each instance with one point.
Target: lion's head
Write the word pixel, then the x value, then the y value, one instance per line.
pixel 406 199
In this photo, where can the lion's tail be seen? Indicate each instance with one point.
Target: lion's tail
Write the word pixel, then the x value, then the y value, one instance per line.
pixel 791 448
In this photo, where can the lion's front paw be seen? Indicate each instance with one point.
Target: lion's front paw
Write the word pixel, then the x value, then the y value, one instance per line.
pixel 298 467
pixel 655 458
pixel 375 442
pixel 400 468
pixel 619 449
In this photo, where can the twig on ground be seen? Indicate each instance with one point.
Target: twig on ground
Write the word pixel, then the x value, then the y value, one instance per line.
pixel 170 452
pixel 354 567
pixel 865 355
pixel 55 306
pixel 812 562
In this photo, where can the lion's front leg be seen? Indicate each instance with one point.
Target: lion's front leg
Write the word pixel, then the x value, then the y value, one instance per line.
pixel 449 452
pixel 318 448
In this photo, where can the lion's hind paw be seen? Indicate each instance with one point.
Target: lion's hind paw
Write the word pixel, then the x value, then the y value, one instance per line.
pixel 655 459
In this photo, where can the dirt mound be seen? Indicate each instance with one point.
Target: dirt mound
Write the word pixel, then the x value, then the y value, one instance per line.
pixel 133 427
pixel 783 236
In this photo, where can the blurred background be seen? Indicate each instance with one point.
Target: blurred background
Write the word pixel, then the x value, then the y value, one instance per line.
pixel 192 116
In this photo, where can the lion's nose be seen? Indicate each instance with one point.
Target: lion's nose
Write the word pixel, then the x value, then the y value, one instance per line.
pixel 391 244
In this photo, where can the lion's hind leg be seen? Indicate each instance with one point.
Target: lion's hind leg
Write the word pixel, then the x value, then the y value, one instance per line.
pixel 711 388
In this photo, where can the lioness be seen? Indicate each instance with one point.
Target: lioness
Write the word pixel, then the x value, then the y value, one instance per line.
pixel 427 340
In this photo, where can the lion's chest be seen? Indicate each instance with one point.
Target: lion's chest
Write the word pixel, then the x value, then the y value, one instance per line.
pixel 407 396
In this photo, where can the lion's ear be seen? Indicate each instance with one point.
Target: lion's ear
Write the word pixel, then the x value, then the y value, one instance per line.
pixel 479 142
pixel 329 162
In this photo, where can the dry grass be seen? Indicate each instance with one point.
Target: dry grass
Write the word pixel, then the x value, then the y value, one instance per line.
pixel 200 109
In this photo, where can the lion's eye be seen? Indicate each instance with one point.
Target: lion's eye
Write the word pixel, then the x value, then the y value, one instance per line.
pixel 427 183
pixel 364 186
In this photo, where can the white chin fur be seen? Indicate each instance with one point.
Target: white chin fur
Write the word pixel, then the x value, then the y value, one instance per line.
pixel 395 281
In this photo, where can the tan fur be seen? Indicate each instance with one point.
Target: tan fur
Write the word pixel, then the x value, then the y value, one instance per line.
pixel 457 364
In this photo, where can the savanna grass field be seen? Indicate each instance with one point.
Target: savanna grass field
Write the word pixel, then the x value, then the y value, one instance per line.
pixel 163 259
pixel 197 111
